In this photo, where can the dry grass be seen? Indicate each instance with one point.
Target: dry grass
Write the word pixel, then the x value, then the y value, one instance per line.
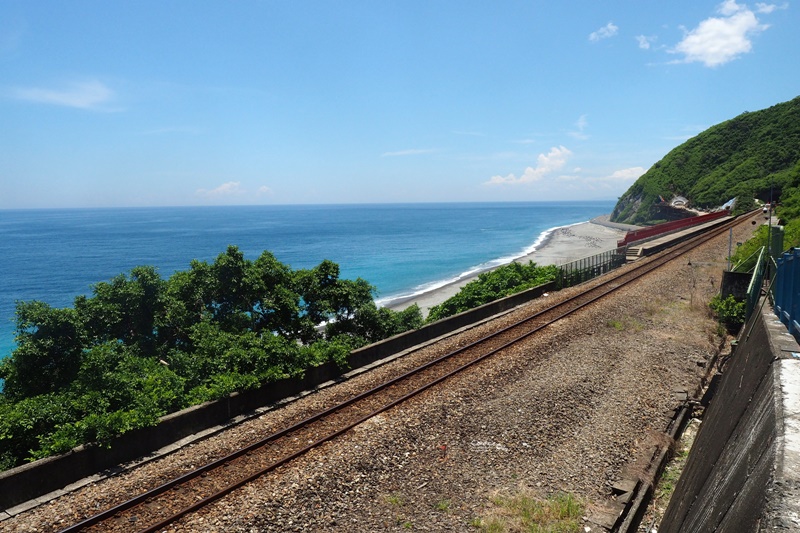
pixel 524 512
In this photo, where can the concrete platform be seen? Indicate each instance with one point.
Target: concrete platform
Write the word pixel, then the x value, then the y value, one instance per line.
pixel 656 245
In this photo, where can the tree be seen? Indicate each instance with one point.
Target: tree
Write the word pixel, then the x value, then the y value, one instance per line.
pixel 371 324
pixel 187 301
pixel 231 291
pixel 276 303
pixel 49 349
pixel 141 346
pixel 126 309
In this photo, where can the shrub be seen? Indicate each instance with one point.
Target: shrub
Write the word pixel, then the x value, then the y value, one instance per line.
pixel 493 285
pixel 730 311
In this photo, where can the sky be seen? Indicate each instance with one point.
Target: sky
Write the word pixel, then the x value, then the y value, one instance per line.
pixel 153 103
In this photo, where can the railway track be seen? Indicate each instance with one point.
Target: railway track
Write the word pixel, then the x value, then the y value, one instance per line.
pixel 157 508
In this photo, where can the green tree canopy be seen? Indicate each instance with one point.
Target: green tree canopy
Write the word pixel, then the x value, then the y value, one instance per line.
pixel 142 346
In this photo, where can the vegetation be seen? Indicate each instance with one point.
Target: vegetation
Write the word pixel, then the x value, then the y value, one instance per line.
pixel 442 506
pixel 492 285
pixel 625 323
pixel 730 311
pixel 560 513
pixel 142 346
pixel 744 258
pixel 755 155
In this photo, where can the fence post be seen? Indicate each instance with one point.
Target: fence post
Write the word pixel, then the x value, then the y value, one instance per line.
pixel 778 293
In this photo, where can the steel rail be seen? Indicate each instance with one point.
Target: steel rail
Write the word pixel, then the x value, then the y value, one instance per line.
pixel 635 272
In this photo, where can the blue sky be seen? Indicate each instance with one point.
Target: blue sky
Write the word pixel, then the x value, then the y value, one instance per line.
pixel 106 104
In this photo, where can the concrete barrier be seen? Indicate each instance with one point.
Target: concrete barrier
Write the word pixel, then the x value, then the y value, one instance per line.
pixel 740 473
pixel 33 480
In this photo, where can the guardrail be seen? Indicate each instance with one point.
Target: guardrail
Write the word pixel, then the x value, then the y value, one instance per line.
pixel 756 282
pixel 581 270
pixel 786 291
pixel 667 227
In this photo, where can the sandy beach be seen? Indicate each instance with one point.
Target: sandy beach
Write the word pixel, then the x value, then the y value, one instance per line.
pixel 562 246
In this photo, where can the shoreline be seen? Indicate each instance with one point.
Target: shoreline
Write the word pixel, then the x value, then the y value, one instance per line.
pixel 555 246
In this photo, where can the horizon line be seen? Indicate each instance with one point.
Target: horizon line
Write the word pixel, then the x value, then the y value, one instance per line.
pixel 321 204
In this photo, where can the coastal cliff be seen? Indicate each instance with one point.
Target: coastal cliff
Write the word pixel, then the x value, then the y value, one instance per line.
pixel 755 155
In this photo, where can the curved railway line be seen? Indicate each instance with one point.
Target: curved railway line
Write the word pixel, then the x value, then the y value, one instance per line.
pixel 157 508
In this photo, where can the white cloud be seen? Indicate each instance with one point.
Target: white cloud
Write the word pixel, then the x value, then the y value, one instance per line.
pixel 718 40
pixel 609 30
pixel 580 125
pixel 614 183
pixel 769 8
pixel 400 153
pixel 645 42
pixel 264 190
pixel 91 94
pixel 626 174
pixel 729 7
pixel 546 164
pixel 231 188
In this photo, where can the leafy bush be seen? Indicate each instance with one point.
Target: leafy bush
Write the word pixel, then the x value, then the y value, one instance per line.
pixel 492 285
pixel 729 311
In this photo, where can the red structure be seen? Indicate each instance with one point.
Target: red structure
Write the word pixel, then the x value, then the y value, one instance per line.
pixel 667 227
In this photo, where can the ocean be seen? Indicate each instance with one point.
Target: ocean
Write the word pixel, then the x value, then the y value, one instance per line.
pixel 54 255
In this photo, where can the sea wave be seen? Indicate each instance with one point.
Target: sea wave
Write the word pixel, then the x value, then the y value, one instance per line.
pixel 540 242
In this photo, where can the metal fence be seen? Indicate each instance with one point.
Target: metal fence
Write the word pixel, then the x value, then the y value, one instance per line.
pixel 756 282
pixel 575 272
pixel 786 291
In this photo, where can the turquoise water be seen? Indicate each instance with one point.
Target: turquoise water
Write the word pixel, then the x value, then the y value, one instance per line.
pixel 402 249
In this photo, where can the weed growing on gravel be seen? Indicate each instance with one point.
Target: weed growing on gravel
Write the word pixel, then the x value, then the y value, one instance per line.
pixel 559 513
pixel 395 499
pixel 442 506
pixel 625 323
pixel 616 324
pixel 653 307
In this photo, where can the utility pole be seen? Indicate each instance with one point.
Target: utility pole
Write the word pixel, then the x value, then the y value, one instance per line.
pixel 730 246
pixel 769 228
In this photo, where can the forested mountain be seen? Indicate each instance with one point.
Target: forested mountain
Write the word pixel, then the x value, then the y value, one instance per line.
pixel 743 157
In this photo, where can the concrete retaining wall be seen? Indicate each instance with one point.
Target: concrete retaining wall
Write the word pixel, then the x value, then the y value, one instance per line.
pixel 739 453
pixel 33 480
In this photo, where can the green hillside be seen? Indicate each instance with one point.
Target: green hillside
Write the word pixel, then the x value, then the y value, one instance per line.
pixel 741 158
